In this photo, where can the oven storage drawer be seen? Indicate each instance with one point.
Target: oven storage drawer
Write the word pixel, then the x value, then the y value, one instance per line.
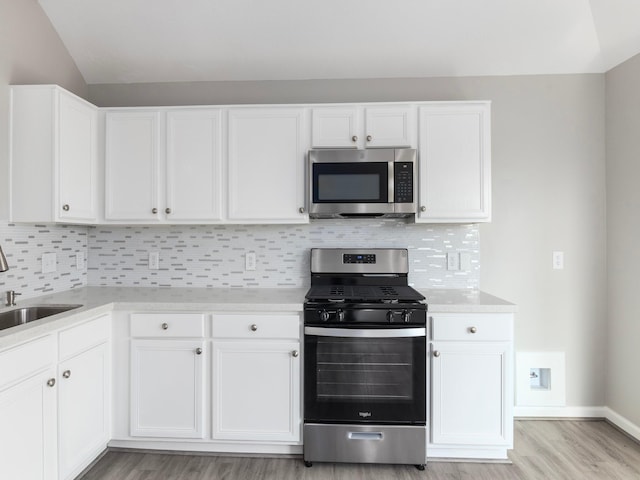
pixel 160 325
pixel 399 444
pixel 471 327
pixel 256 326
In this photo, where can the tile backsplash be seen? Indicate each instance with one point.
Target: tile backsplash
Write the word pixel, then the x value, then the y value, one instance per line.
pixel 214 256
pixel 24 245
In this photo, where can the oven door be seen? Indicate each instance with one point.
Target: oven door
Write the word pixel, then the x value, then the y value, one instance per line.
pixel 365 375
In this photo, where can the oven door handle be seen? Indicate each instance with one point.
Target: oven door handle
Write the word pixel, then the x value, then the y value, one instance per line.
pixel 366 332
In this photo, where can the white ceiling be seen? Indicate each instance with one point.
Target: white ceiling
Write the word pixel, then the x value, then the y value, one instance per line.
pixel 124 41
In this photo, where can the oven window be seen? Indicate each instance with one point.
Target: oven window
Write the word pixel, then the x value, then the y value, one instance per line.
pixel 364 369
pixel 360 182
pixel 365 380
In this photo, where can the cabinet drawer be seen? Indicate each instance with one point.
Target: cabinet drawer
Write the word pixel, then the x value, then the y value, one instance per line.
pixel 78 339
pixel 483 327
pixel 20 362
pixel 167 324
pixel 256 326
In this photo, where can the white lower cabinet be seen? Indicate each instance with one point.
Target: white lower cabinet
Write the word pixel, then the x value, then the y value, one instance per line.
pixel 28 429
pixel 256 390
pixel 471 385
pixel 83 409
pixel 167 394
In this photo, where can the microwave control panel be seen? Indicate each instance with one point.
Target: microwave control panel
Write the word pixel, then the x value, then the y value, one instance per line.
pixel 403 182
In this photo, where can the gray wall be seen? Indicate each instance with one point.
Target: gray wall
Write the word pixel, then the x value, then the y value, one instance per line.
pixel 30 52
pixel 548 193
pixel 623 218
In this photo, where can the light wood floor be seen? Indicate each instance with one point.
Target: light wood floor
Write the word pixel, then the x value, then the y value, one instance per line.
pixel 549 450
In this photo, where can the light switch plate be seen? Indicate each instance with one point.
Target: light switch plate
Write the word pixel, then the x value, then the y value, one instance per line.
pixel 453 261
pixel 49 262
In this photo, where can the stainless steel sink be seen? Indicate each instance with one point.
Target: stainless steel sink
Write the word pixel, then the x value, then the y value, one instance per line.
pixel 18 316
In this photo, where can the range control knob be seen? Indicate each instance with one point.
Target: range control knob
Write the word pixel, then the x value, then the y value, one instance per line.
pixel 390 316
pixel 324 315
pixel 340 315
pixel 406 316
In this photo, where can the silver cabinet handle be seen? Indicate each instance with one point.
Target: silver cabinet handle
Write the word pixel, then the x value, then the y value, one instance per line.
pixel 369 138
pixel 301 209
pixel 167 211
pixel 154 210
pixel 66 373
pixel 473 330
pixel 295 353
pixel 354 138
pixel 51 382
pixel 165 326
pixel 423 209
pixel 436 353
pixel 198 351
pixel 65 207
pixel 254 327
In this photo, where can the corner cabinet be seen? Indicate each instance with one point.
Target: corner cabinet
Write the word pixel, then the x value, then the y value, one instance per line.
pixel 454 171
pixel 471 359
pixel 53 156
pixel 266 165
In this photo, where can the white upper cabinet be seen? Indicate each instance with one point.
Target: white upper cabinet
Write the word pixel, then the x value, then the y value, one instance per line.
pixel 132 165
pixel 363 127
pixel 455 163
pixel 54 155
pixel 194 165
pixel 266 165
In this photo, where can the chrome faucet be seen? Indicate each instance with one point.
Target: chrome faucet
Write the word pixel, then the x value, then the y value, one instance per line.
pixel 11 298
pixel 4 266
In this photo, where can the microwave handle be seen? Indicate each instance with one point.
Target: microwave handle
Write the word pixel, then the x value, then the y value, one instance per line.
pixel 366 332
pixel 391 178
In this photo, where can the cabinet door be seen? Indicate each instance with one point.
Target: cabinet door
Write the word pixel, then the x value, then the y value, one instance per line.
pixel 28 429
pixel 470 393
pixel 167 394
pixel 256 391
pixel 390 126
pixel 131 166
pixel 455 163
pixel 194 171
pixel 77 160
pixel 83 409
pixel 267 148
pixel 335 127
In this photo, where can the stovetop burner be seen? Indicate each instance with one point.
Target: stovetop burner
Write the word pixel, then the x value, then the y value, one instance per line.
pixel 363 293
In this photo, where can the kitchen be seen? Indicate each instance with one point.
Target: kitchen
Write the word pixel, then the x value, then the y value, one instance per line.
pixel 553 140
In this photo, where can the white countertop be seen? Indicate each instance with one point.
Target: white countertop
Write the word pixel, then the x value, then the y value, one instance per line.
pixel 98 300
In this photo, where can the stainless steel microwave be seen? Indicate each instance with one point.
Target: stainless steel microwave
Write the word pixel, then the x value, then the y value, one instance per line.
pixel 362 183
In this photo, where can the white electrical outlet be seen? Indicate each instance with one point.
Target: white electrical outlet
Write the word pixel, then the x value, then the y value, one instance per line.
pixel 49 262
pixel 250 261
pixel 453 261
pixel 154 260
pixel 80 260
pixel 558 260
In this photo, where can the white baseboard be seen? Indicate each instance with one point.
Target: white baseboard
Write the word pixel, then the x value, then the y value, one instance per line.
pixel 622 423
pixel 580 412
pixel 565 412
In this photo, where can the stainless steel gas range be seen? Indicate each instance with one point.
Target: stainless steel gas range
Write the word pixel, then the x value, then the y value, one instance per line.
pixel 365 359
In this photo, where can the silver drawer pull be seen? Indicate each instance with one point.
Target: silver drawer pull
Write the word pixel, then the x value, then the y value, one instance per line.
pixel 198 351
pixel 473 330
pixel 66 373
pixel 165 326
pixel 436 353
pixel 51 382
pixel 295 353
pixel 365 436
pixel 254 327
